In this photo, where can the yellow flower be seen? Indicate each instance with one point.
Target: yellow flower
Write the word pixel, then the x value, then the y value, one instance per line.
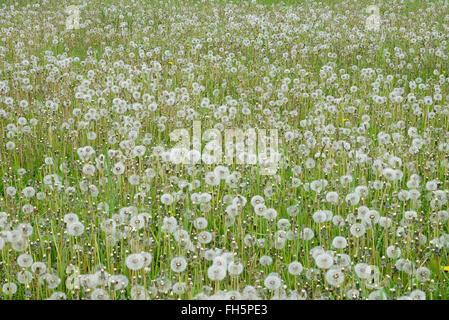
pixel 446 268
pixel 170 62
pixel 345 119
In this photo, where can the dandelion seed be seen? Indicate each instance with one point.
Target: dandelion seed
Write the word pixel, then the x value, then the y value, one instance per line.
pixel 272 282
pixel 178 264
pixel 335 277
pixel 135 261
pixel 295 268
pixel 216 273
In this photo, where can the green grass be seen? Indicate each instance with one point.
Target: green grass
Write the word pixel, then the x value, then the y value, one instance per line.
pixel 269 43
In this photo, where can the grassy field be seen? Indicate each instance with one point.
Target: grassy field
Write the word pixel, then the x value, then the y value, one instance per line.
pixel 97 202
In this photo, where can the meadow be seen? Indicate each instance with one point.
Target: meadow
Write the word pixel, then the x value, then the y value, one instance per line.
pixel 97 203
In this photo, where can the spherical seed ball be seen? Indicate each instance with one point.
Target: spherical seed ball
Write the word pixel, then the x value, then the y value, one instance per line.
pixel 270 214
pixel 316 251
pixel 222 172
pixel 283 224
pixel 118 282
pixel 200 223
pixel 265 260
pixel 399 264
pixel 352 198
pixel 362 190
pixel 410 214
pixel 432 185
pixel 422 274
pixel 19 245
pixel 324 261
pixel 408 267
pixel 70 218
pixel 135 261
pixel 139 293
pixel 212 179
pixel 319 216
pixel 235 269
pixel 167 199
pixel 75 229
pixel 342 260
pixel 24 276
pixel 357 230
pixel 362 211
pixel 220 261
pixel 249 290
pixel 179 288
pixel 418 295
pixel 210 254
pixel 260 209
pixel 377 295
pixel 295 268
pixel 100 294
pixel 178 264
pixel 313 274
pixel 352 294
pixel 181 236
pixel 169 224
pixel 25 260
pixel 293 210
pixel 335 277
pixel 38 268
pixel 339 242
pixel 28 192
pixel 134 179
pixel 57 295
pixel 372 217
pixel 307 234
pixel 3 219
pixel 332 197
pixel 393 252
pixel 88 170
pixel 9 288
pixel 385 222
pixel 10 145
pixel 272 282
pixel 148 258
pixel 216 273
pixel 255 200
pixel 338 221
pixel 316 186
pixel 295 295
pixel 232 295
pixel 118 168
pixel 204 237
pixel 362 270
pixel 26 229
pixel 11 191
pixel 27 208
